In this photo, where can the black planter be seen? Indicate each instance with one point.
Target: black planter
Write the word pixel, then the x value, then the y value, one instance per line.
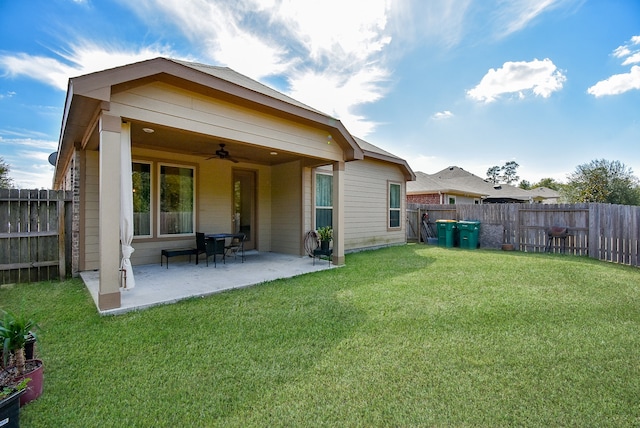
pixel 324 245
pixel 10 410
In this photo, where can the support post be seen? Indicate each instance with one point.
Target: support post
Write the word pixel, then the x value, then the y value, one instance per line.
pixel 109 212
pixel 338 213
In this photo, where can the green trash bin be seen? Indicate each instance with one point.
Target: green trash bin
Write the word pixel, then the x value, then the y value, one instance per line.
pixel 446 232
pixel 469 233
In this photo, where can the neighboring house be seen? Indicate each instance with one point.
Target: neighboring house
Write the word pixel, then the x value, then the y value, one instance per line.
pixel 549 196
pixel 454 185
pixel 210 150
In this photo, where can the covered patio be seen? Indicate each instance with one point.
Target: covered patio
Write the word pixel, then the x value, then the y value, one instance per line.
pixel 157 285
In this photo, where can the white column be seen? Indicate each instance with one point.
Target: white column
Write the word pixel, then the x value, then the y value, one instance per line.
pixel 109 212
pixel 338 213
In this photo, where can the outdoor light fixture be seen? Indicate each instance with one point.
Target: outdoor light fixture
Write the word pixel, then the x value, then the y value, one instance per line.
pixel 148 130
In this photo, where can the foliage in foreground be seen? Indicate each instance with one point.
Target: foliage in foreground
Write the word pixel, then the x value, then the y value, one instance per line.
pixel 404 336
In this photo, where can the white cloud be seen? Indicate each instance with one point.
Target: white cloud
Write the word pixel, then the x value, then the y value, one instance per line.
pixel 623 82
pixel 446 114
pixel 514 15
pixel 617 84
pixel 28 162
pixel 424 163
pixel 81 58
pixel 331 61
pixel 541 77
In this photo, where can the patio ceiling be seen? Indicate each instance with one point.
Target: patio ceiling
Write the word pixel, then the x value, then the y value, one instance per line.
pixel 173 140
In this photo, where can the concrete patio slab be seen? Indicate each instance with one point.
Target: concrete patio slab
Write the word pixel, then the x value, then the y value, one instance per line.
pixel 157 285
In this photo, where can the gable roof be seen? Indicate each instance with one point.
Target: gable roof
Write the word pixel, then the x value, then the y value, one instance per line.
pixel 88 94
pixel 229 75
pixel 456 180
pixel 375 152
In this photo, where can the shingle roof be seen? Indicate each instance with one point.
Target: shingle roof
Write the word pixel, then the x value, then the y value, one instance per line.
pixel 225 73
pixel 454 179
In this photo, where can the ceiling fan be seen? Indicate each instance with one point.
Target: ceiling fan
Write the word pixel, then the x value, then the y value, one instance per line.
pixel 223 153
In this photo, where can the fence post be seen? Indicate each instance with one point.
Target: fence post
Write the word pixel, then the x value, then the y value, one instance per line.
pixel 62 262
pixel 593 244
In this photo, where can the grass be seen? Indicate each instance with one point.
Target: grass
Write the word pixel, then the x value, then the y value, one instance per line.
pixel 405 336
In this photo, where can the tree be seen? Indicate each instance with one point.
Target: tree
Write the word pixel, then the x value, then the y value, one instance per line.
pixel 524 184
pixel 505 173
pixel 603 181
pixel 5 181
pixel 509 172
pixel 493 174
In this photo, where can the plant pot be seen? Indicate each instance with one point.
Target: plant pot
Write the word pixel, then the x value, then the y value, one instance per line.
pixel 10 410
pixel 324 245
pixel 34 371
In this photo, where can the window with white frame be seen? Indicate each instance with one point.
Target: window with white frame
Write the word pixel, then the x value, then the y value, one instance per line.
pixel 394 205
pixel 141 179
pixel 176 197
pixel 324 200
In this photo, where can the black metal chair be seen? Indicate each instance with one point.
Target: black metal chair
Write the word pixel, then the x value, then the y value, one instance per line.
pixel 236 245
pixel 201 246
pixel 215 247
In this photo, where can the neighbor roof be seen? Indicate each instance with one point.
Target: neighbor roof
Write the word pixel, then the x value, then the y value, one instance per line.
pixel 456 180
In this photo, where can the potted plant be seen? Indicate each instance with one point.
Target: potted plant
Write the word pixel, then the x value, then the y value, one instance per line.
pixel 15 332
pixel 325 234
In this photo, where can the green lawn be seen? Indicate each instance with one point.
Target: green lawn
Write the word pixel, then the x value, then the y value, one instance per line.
pixel 406 336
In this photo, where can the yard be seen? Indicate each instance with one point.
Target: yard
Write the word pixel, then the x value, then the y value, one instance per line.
pixel 406 336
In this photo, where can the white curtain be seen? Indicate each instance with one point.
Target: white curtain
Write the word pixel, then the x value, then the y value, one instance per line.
pixel 126 207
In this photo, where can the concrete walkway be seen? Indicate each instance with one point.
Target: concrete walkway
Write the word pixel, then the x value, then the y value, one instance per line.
pixel 156 285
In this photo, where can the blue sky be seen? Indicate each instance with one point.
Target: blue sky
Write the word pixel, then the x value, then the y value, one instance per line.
pixel 549 84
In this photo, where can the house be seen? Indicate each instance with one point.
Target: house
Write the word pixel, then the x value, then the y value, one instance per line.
pixel 454 185
pixel 182 147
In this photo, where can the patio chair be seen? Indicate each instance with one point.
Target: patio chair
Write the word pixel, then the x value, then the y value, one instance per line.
pixel 215 247
pixel 236 245
pixel 201 246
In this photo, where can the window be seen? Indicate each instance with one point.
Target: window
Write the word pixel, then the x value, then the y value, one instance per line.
pixel 394 205
pixel 176 198
pixel 324 200
pixel 141 179
pixel 452 200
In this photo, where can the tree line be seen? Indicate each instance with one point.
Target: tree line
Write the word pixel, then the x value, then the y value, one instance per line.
pixel 600 180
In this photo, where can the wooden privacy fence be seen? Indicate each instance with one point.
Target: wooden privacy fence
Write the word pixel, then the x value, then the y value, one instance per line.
pixel 33 242
pixel 601 231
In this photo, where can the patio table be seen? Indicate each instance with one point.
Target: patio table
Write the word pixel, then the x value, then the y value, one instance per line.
pixel 239 236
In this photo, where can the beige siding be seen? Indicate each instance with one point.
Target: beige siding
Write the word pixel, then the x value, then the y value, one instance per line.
pixel 308 199
pixel 91 183
pixel 366 204
pixel 264 207
pixel 170 106
pixel 460 199
pixel 286 207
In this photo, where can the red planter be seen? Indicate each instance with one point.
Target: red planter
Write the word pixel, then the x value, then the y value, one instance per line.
pixel 34 387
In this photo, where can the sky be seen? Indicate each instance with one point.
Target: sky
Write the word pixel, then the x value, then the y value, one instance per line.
pixel 549 84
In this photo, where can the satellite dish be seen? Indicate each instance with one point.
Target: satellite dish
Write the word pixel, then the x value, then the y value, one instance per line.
pixel 53 157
